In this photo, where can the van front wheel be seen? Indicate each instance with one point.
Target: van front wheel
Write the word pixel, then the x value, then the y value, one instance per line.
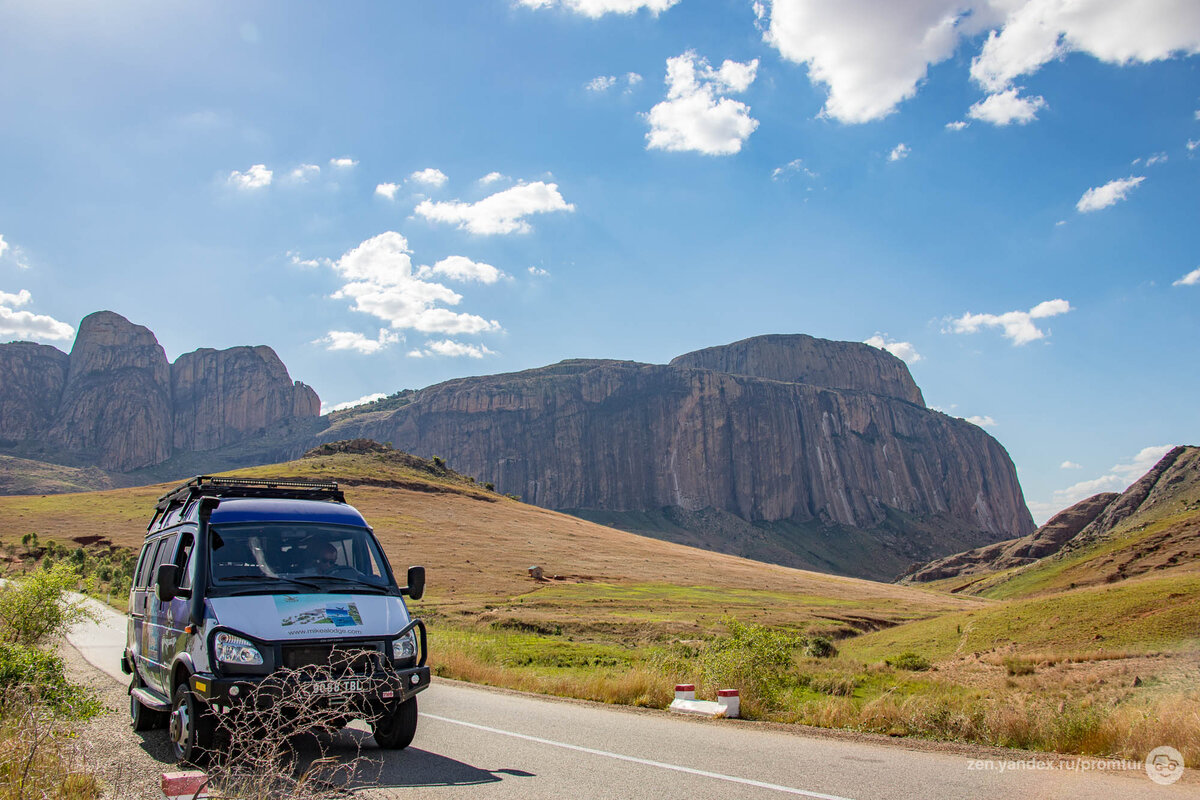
pixel 190 728
pixel 395 731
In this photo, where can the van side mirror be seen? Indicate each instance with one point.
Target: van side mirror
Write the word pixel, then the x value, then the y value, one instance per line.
pixel 166 584
pixel 416 583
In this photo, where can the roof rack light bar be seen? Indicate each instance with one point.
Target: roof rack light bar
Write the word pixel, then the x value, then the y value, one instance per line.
pixel 212 486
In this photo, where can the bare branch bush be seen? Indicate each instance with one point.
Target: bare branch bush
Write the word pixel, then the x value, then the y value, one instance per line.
pixel 277 740
pixel 40 753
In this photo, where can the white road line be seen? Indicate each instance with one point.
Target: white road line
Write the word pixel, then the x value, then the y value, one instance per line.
pixel 661 765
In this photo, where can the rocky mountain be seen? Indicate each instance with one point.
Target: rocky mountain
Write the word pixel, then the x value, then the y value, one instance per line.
pixel 1169 494
pixel 116 402
pixel 785 448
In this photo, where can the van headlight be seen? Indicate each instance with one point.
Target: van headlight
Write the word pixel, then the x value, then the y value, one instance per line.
pixel 232 649
pixel 405 646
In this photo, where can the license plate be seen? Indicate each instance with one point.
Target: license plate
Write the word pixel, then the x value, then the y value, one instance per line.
pixel 338 687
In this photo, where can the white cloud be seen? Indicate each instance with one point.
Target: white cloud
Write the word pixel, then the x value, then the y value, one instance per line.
pixel 343 163
pixel 1016 326
pixel 491 177
pixel 898 152
pixel 695 116
pixel 461 268
pixel 14 252
pixel 1099 197
pixel 451 349
pixel 1191 279
pixel 352 340
pixel 26 324
pixel 1070 465
pixel 601 83
pixel 597 8
pixel 387 190
pixel 957 125
pixel 256 177
pixel 381 281
pixel 1117 479
pixel 430 177
pixel 369 398
pixel 503 212
pixel 794 166
pixel 901 350
pixel 873 55
pixel 1192 144
pixel 305 172
pixel 298 261
pixel 1006 107
pixel 1157 158
pixel 632 79
pixel 983 422
pixel 3 246
pixel 538 272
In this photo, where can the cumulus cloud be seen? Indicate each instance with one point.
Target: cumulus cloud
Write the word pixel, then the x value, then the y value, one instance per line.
pixel 1016 326
pixel 872 56
pixel 957 125
pixel 1150 161
pixel 3 246
pixel 305 172
pixel 538 272
pixel 901 350
pixel 695 116
pixel 369 398
pixel 503 212
pixel 1070 465
pixel 1192 144
pixel 25 324
pixel 1099 197
pixel 256 177
pixel 352 340
pixel 430 177
pixel 381 280
pixel 983 422
pixel 1191 279
pixel 898 152
pixel 343 163
pixel 461 268
pixel 598 8
pixel 451 349
pixel 13 253
pixel 1117 479
pixel 602 83
pixel 491 177
pixel 387 190
pixel 1007 107
pixel 299 261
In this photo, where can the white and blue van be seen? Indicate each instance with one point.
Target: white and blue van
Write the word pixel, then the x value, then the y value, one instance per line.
pixel 242 580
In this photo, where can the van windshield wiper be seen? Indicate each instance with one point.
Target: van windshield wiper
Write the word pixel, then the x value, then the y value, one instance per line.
pixel 269 582
pixel 356 581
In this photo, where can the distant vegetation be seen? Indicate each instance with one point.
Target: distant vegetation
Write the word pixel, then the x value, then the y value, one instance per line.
pixel 390 403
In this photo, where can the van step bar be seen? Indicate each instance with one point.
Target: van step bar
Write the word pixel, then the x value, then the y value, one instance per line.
pixel 150 700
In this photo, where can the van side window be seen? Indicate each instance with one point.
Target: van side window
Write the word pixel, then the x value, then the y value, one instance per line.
pixel 147 564
pixel 183 559
pixel 165 551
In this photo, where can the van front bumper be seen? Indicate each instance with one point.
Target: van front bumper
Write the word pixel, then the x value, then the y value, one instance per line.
pixel 371 693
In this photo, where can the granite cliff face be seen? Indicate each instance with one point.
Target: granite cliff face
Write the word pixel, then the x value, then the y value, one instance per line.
pixel 117 403
pixel 728 431
pixel 32 377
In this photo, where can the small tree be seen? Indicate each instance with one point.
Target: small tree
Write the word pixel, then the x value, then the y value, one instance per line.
pixel 36 608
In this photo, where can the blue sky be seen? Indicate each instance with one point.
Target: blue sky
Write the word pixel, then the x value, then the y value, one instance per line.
pixel 1002 192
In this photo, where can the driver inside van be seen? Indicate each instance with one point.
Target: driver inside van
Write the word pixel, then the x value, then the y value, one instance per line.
pixel 326 558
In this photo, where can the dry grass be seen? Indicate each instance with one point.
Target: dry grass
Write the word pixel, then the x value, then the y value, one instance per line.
pixel 40 756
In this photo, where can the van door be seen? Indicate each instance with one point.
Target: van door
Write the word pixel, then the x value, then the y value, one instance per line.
pixel 156 622
pixel 136 637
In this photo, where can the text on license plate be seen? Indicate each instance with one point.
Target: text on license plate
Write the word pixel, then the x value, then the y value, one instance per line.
pixel 342 686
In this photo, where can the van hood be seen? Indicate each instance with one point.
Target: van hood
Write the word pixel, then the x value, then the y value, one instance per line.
pixel 282 617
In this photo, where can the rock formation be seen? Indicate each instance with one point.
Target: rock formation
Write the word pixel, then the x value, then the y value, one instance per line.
pixel 730 431
pixel 117 403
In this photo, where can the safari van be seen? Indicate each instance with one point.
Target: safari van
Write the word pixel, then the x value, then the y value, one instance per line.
pixel 242 581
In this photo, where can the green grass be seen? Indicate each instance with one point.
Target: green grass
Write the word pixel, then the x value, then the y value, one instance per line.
pixel 1148 614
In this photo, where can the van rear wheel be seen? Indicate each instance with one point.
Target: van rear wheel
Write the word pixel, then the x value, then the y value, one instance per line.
pixel 142 718
pixel 395 731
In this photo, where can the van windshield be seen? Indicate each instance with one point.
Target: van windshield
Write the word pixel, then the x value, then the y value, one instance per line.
pixel 324 557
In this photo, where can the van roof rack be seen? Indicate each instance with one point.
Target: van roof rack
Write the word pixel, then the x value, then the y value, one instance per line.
pixel 286 488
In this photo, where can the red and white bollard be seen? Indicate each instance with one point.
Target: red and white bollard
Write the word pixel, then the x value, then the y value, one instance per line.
pixel 685 691
pixel 731 700
pixel 184 784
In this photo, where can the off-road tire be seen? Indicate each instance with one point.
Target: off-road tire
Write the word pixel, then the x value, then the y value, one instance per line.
pixel 190 727
pixel 395 731
pixel 140 717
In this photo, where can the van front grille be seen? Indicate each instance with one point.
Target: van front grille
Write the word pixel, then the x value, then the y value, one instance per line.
pixel 359 658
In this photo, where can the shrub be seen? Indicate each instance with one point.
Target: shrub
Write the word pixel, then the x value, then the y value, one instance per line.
pixel 820 647
pixel 910 661
pixel 1018 666
pixel 35 609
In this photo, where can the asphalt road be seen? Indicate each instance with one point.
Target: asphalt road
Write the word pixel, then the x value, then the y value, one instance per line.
pixel 479 743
